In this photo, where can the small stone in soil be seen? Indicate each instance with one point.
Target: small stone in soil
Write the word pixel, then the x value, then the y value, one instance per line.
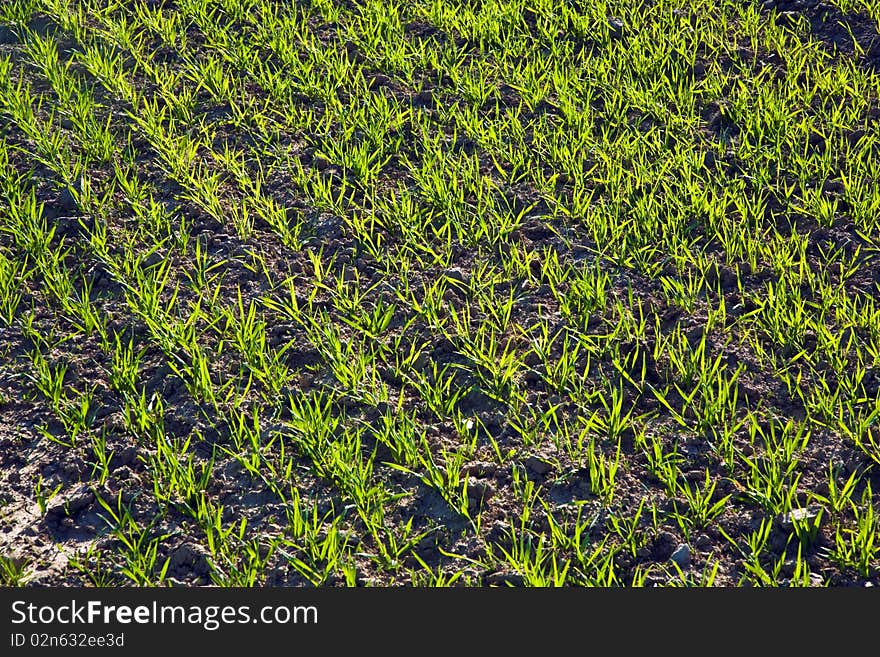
pixel 480 490
pixel 536 465
pixel 800 515
pixel 455 275
pixel 125 456
pixel 615 28
pixel 681 555
pixel 72 503
pixel 378 80
pixel 662 545
pixel 67 201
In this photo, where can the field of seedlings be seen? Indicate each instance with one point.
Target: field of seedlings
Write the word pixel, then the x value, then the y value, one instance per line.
pixel 440 292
